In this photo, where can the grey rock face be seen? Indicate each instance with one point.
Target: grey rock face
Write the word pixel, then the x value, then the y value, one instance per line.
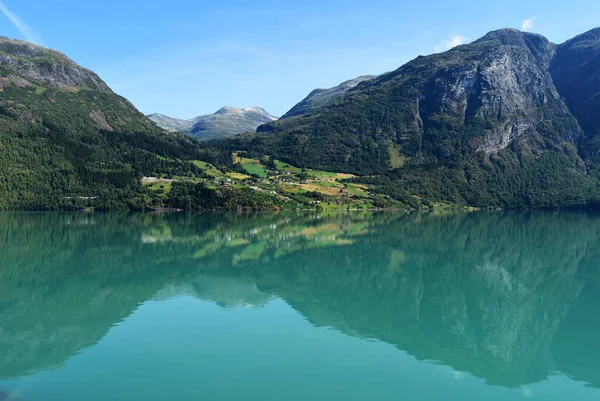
pixel 46 67
pixel 321 97
pixel 227 121
pixel 445 109
pixel 509 83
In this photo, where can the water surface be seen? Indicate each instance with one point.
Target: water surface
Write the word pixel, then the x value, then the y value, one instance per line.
pixel 373 306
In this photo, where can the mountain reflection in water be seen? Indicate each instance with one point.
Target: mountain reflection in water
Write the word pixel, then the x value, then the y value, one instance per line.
pixel 509 297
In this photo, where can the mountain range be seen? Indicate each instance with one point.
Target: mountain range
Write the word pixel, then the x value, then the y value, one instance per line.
pixel 227 121
pixel 510 120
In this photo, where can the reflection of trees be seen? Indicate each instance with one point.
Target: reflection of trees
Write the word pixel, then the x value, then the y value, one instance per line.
pixel 65 279
pixel 506 296
pixel 485 293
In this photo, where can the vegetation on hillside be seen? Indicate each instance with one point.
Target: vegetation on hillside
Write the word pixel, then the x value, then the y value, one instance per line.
pixel 266 184
pixel 53 155
pixel 505 122
pixel 451 127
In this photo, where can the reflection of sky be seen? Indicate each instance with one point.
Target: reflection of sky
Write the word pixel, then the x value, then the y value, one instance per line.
pixel 225 292
pixel 186 349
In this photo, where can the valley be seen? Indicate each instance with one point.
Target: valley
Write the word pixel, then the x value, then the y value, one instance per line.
pixel 505 122
pixel 278 184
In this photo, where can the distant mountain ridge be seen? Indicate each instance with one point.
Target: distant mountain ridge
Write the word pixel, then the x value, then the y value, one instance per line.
pixel 321 97
pixel 227 121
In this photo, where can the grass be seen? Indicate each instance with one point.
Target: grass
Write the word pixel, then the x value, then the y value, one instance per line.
pixel 322 174
pixel 208 168
pixel 281 166
pixel 157 186
pixel 327 175
pixel 324 189
pixel 357 191
pixel 254 169
pixel 252 166
pixel 238 176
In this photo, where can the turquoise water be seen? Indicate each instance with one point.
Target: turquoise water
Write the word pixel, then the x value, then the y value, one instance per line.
pixel 373 306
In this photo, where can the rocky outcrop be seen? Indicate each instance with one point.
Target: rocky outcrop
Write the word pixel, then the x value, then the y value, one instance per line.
pixel 503 77
pixel 100 118
pixel 483 123
pixel 46 67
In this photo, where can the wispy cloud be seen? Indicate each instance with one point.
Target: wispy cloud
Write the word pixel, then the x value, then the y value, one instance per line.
pixel 448 44
pixel 28 32
pixel 527 25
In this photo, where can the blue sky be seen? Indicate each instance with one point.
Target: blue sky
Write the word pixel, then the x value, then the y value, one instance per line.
pixel 188 57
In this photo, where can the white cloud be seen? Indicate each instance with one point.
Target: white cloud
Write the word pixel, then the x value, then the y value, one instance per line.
pixel 28 33
pixel 527 25
pixel 448 44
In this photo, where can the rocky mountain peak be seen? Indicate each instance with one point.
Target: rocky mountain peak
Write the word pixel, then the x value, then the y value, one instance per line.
pixel 512 37
pixel 227 121
pixel 505 36
pixel 493 96
pixel 27 64
pixel 593 34
pixel 588 41
pixel 258 110
pixel 228 110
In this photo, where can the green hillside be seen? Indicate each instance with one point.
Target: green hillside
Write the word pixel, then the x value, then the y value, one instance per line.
pixel 482 124
pixel 67 141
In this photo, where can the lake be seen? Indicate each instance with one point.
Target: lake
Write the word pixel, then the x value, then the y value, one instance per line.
pixel 347 306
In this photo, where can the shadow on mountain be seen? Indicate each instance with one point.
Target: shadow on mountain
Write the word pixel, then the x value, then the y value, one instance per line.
pixel 508 297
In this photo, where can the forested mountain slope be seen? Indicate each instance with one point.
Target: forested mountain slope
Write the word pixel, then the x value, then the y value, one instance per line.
pixel 482 124
pixel 66 139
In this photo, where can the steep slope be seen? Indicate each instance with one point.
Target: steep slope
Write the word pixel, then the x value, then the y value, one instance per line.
pixel 481 124
pixel 321 97
pixel 227 121
pixel 66 140
pixel 576 74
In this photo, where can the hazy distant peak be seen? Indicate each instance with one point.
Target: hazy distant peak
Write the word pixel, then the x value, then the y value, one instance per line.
pixel 226 121
pixel 228 110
